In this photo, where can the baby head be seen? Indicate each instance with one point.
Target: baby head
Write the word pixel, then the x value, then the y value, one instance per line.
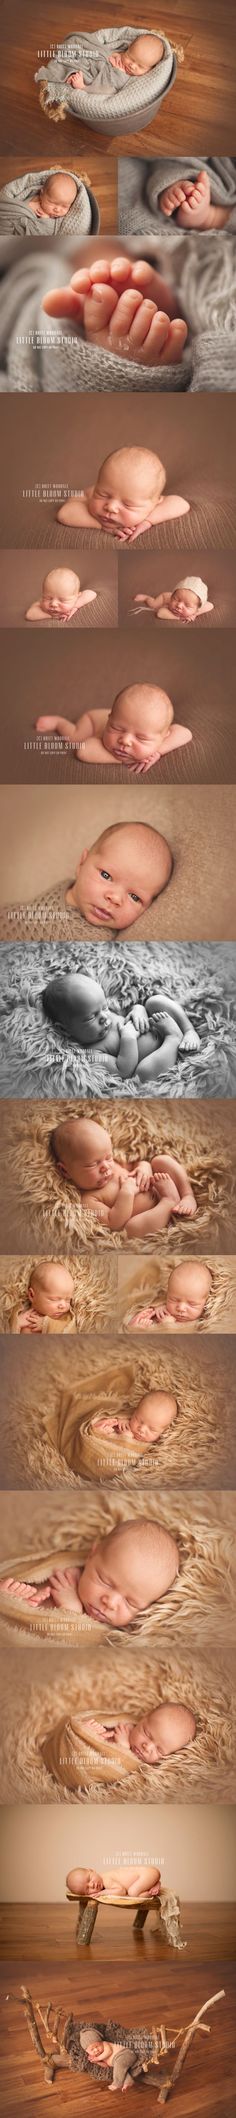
pixel 127 1571
pixel 76 1004
pixel 139 719
pixel 190 595
pixel 188 1290
pixel 97 2047
pixel 158 1735
pixel 127 489
pixel 57 195
pixel 155 1413
pixel 84 1882
pixel 82 1150
pixel 126 868
pixel 144 53
pixel 51 1289
pixel 59 591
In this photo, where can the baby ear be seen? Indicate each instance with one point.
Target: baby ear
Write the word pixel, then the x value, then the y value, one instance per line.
pixel 30 1294
pixel 83 857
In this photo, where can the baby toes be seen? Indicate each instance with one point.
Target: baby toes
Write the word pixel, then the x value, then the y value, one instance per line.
pixel 99 305
pixel 174 346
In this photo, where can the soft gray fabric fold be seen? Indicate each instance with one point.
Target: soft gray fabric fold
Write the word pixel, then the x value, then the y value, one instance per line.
pixel 15 213
pixel 130 103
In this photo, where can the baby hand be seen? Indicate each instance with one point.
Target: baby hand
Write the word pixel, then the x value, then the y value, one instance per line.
pixel 144 1316
pixel 75 80
pixel 119 305
pixel 143 1176
pixel 139 1018
pixel 64 1589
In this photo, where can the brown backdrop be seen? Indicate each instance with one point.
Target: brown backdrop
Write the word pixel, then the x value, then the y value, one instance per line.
pixel 63 441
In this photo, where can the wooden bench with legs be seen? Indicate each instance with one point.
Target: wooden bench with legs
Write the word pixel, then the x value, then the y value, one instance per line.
pixel 166 1906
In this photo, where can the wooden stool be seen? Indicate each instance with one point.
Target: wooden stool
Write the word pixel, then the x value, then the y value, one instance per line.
pixel 166 1906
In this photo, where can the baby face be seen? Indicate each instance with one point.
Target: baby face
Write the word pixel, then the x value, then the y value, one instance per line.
pixel 84 1882
pixel 142 55
pixel 188 1290
pixel 154 1414
pixel 158 1735
pixel 125 1571
pixel 183 600
pixel 79 1008
pixel 57 195
pixel 128 486
pixel 59 592
pixel 111 889
pixel 138 720
pixel 51 1290
pixel 84 1151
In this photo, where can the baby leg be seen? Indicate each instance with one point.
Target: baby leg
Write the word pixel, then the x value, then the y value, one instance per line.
pixel 161 1061
pixel 155 1217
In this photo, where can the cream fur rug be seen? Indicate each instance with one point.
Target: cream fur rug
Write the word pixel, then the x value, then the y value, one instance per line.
pixel 205 1772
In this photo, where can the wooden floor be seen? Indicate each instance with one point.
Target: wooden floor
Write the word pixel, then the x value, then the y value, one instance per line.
pixel 198 115
pixel 46 1934
pixel 207 2084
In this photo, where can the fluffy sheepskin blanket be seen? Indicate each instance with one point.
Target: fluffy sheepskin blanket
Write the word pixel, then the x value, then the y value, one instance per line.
pixel 113 105
pixel 46 1209
pixel 38 1060
pixel 203 1595
pixel 16 217
pixel 128 1684
pixel 44 1402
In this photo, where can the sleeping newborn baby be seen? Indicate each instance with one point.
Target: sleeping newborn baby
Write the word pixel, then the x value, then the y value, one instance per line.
pixel 119 1882
pixel 138 730
pixel 61 597
pixel 153 1415
pixel 183 604
pixel 55 196
pixel 125 1572
pixel 84 1748
pixel 188 1292
pixel 140 56
pixel 139 1199
pixel 49 1301
pixel 127 498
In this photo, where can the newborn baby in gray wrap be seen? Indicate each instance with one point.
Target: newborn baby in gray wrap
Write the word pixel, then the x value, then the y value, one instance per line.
pixel 140 56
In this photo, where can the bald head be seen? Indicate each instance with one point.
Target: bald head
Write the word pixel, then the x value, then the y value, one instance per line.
pixel 188 1290
pixel 61 586
pixel 82 1150
pixel 128 486
pixel 158 1735
pixel 51 1288
pixel 145 52
pixel 58 193
pixel 128 1570
pixel 140 718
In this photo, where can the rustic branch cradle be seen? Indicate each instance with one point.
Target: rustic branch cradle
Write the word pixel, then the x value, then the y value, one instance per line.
pixel 56 2029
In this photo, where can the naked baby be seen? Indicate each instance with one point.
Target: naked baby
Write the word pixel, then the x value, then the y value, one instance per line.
pixel 123 1575
pixel 132 1882
pixel 185 1304
pixel 137 1200
pixel 180 605
pixel 49 1304
pixel 76 1005
pixel 127 498
pixel 137 732
pixel 61 597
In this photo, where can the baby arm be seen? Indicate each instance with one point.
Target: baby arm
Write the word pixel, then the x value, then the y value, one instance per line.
pixel 176 737
pixel 120 1213
pixel 129 1052
pixel 36 614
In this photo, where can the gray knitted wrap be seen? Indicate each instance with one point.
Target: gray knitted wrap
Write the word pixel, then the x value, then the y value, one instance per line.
pixel 15 213
pixel 140 2042
pixel 127 104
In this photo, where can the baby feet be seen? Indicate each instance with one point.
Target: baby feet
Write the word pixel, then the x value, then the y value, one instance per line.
pixel 190 201
pixel 191 1042
pixel 119 306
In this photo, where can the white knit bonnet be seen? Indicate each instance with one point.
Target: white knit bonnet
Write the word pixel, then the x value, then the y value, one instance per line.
pixel 199 588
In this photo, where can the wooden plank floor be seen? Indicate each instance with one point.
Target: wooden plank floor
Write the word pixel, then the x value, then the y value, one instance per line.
pixel 198 114
pixel 46 1934
pixel 207 2084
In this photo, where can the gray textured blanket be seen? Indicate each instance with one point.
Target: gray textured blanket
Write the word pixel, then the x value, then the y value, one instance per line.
pixel 37 1060
pixel 37 353
pixel 16 217
pixel 141 182
pixel 110 102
